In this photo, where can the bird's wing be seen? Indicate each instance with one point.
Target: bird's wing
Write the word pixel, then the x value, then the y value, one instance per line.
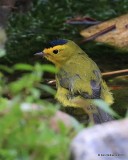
pixel 96 85
pixel 63 79
pixel 67 81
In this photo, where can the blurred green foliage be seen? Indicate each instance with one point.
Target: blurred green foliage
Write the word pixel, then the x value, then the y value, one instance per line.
pixel 26 133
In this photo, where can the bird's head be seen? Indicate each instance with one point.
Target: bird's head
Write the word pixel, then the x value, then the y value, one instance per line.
pixel 59 51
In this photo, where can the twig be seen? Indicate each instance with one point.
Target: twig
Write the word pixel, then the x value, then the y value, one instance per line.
pixel 115 72
pixel 100 33
pixel 124 71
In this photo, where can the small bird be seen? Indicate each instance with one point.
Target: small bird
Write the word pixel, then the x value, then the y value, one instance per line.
pixel 78 80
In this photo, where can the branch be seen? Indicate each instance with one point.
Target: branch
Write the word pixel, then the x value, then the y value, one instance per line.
pixel 113 73
pixel 100 33
pixel 124 71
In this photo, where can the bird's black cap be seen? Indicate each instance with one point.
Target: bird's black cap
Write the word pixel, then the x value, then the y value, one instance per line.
pixel 56 42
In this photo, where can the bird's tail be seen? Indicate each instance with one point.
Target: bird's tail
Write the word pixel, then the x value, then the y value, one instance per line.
pixel 101 116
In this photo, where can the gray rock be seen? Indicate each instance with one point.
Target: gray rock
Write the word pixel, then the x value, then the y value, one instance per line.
pixel 108 141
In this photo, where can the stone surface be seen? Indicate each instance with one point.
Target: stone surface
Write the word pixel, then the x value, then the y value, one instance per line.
pixel 113 32
pixel 61 117
pixel 108 141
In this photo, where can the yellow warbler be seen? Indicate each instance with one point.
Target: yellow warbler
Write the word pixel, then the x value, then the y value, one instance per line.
pixel 78 80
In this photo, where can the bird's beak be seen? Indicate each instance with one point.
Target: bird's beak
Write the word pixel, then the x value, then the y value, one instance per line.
pixel 41 54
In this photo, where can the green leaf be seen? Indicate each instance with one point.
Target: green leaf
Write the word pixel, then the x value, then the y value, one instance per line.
pixel 6 69
pixel 2 52
pixel 26 67
pixel 104 106
pixel 49 68
pixel 48 89
pixel 3 103
pixel 35 92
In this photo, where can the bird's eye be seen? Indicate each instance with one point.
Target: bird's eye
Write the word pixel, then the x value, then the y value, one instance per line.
pixel 55 51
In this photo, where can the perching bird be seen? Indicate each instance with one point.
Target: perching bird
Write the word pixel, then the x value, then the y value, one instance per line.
pixel 78 80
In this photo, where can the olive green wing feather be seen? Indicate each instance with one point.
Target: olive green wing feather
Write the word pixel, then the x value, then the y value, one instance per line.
pixel 66 81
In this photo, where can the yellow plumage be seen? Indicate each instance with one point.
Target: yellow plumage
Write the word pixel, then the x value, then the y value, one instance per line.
pixel 78 79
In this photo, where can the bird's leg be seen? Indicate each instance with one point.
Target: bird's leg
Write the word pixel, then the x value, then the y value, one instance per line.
pixel 91 119
pixel 86 105
pixel 96 115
